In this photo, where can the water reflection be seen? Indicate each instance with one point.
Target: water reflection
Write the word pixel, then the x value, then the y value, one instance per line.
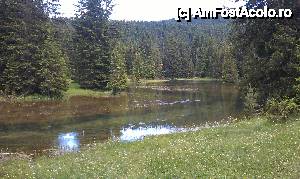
pixel 68 142
pixel 138 133
pixel 159 108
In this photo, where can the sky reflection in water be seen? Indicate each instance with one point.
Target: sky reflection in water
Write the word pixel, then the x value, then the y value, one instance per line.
pixel 138 133
pixel 68 142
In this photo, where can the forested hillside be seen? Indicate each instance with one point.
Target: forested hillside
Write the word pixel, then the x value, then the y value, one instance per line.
pixel 196 46
pixel 163 49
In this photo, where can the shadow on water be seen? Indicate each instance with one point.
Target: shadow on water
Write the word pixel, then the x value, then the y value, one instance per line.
pixel 153 109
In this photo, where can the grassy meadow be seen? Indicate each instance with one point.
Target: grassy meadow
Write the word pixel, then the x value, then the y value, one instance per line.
pixel 250 149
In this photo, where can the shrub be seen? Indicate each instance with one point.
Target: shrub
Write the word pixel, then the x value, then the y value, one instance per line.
pixel 251 103
pixel 281 110
pixel 297 90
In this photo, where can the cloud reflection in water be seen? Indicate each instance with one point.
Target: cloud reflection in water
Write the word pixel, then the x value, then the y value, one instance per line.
pixel 68 142
pixel 132 134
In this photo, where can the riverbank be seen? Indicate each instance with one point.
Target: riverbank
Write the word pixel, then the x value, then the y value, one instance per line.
pixel 177 79
pixel 252 148
pixel 75 90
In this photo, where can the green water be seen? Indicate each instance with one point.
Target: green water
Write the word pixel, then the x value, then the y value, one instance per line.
pixel 153 109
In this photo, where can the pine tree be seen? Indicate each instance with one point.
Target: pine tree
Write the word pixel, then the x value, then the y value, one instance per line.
pixel 171 59
pixel 157 58
pixel 151 57
pixel 137 66
pixel 118 77
pixel 145 47
pixel 31 61
pixel 229 68
pixel 129 56
pixel 93 43
pixel 64 32
pixel 176 62
pixel 267 52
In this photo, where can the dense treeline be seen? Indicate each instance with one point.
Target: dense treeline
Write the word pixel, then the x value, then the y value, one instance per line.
pixel 31 60
pixel 267 53
pixel 195 46
pixel 164 49
pixel 98 53
pixel 41 52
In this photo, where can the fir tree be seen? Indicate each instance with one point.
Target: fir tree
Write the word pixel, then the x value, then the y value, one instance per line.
pixel 93 43
pixel 118 76
pixel 31 61
pixel 137 66
pixel 229 68
pixel 268 52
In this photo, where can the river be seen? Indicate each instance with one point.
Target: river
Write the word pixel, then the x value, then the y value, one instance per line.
pixel 152 109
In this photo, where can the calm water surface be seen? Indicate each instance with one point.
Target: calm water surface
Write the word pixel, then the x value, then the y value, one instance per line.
pixel 153 109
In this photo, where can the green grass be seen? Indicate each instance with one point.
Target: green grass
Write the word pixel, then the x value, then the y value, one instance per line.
pixel 144 81
pixel 198 79
pixel 248 149
pixel 25 98
pixel 75 90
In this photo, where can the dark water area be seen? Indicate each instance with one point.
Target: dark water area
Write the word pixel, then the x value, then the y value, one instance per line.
pixel 153 109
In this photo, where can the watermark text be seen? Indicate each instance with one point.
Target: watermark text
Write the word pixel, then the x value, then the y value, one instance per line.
pixel 233 13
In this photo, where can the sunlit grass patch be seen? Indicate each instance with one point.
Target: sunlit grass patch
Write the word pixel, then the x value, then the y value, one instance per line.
pixel 147 81
pixel 29 98
pixel 75 90
pixel 198 79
